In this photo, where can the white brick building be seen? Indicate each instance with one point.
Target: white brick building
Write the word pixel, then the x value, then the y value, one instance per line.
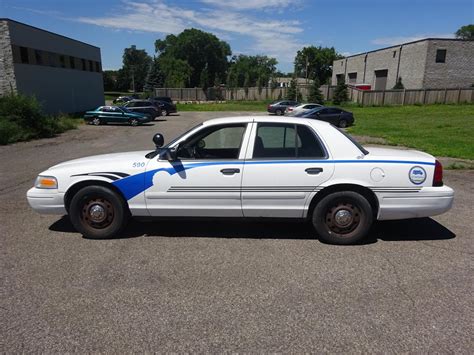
pixel 425 64
pixel 65 75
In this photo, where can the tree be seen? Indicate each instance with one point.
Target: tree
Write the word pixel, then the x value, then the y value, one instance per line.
pixel 248 71
pixel 315 94
pixel 399 85
pixel 135 65
pixel 177 72
pixel 292 93
pixel 199 51
pixel 466 32
pixel 110 80
pixel 340 93
pixel 154 77
pixel 315 62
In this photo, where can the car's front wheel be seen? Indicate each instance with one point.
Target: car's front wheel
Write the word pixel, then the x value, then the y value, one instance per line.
pixel 164 112
pixel 342 217
pixel 134 122
pixel 96 121
pixel 98 212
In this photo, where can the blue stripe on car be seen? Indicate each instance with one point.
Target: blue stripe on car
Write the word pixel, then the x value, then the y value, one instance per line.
pixel 133 185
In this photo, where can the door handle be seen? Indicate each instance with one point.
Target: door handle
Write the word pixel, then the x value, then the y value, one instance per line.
pixel 230 171
pixel 314 171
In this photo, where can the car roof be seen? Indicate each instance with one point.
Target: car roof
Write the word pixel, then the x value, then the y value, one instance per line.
pixel 247 119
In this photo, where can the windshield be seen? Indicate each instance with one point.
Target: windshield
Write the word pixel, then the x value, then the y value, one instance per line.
pixel 182 135
pixel 353 140
pixel 124 109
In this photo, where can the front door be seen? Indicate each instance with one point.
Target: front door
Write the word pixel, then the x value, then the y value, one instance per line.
pixel 205 180
pixel 284 167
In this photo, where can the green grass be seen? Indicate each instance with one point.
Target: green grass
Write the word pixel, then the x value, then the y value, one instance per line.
pixel 251 106
pixel 441 130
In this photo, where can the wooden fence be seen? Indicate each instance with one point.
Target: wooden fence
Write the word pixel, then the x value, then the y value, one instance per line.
pixel 363 97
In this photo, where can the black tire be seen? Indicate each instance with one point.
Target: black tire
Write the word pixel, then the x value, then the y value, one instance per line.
pixel 349 226
pixel 343 123
pixel 164 112
pixel 134 122
pixel 111 212
pixel 279 112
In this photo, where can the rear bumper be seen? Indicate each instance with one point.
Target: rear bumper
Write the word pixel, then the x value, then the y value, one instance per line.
pixel 46 201
pixel 429 201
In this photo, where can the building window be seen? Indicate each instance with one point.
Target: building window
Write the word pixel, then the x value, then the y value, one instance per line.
pixel 97 67
pixel 24 55
pixel 62 61
pixel 352 78
pixel 38 57
pixel 72 62
pixel 91 66
pixel 441 56
pixel 52 59
pixel 83 61
pixel 394 54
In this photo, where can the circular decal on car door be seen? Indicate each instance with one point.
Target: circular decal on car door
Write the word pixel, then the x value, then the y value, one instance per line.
pixel 417 175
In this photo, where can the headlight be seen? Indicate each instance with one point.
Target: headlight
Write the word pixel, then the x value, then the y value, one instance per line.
pixel 46 182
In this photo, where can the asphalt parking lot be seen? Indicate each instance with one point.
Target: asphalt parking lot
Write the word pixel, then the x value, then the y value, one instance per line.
pixel 214 286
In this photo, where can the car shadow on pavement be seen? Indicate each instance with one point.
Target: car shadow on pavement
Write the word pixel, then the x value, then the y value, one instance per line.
pixel 404 230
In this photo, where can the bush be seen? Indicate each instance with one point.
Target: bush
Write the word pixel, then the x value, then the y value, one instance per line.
pixel 21 118
pixel 340 93
pixel 315 94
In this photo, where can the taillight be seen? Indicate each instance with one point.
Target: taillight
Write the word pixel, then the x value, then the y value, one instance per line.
pixel 438 174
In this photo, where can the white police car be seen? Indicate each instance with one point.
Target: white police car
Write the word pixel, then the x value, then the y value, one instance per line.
pixel 248 167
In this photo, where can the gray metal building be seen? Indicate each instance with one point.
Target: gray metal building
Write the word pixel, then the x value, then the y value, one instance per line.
pixel 431 63
pixel 64 74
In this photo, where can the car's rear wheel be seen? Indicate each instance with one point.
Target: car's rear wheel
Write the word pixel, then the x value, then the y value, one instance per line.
pixel 134 122
pixel 343 123
pixel 342 217
pixel 96 121
pixel 279 112
pixel 98 212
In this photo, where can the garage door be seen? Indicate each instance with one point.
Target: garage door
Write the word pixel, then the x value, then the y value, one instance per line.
pixel 381 79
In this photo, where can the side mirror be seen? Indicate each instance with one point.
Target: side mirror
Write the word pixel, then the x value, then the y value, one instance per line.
pixel 170 154
pixel 159 140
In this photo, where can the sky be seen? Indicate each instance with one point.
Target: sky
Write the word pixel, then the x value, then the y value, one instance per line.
pixel 277 28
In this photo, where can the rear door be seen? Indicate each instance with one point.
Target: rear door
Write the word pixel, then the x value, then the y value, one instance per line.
pixel 285 164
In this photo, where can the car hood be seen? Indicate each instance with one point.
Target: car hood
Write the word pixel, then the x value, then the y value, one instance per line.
pixel 102 160
pixel 398 154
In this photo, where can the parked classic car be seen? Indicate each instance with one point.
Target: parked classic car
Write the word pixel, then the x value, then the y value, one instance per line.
pixel 248 167
pixel 334 115
pixel 115 114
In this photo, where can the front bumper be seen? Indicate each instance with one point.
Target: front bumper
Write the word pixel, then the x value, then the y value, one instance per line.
pixel 46 201
pixel 429 201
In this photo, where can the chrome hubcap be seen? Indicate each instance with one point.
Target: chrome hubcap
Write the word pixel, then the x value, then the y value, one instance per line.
pixel 97 213
pixel 343 218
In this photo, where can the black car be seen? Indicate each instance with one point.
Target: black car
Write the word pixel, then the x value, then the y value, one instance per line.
pixel 163 98
pixel 144 106
pixel 279 107
pixel 166 105
pixel 334 115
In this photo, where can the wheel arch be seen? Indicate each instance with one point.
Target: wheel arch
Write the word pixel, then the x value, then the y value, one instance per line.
pixel 362 190
pixel 73 189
